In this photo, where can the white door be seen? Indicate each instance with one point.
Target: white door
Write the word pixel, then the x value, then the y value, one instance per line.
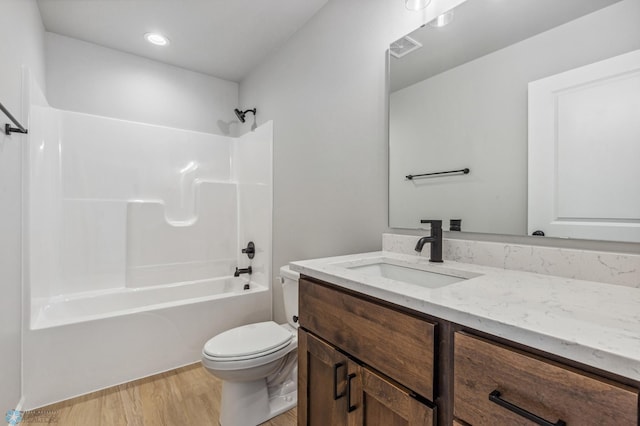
pixel 584 152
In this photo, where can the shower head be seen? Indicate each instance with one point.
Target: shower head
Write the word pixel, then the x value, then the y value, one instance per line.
pixel 241 114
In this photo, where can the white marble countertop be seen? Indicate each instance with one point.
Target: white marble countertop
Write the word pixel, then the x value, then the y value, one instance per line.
pixel 593 323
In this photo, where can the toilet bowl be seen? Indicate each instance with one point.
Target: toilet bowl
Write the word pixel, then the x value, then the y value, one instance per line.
pixel 257 364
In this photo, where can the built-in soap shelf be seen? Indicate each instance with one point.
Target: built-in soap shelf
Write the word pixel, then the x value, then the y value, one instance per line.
pixel 133 242
pixel 204 194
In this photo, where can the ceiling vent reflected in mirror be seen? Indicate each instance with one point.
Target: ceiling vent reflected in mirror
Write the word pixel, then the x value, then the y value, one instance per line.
pixel 404 46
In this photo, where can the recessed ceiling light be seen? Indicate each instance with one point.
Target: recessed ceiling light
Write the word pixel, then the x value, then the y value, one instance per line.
pixel 157 39
pixel 442 20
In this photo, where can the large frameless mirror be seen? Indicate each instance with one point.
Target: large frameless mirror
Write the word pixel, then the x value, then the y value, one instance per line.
pixel 519 116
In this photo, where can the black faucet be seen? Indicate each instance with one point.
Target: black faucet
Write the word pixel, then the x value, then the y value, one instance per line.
pixel 242 271
pixel 435 239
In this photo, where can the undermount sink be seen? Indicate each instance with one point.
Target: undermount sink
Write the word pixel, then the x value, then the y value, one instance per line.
pixel 393 270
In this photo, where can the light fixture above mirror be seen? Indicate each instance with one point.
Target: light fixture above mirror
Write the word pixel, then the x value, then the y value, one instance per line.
pixel 442 20
pixel 416 4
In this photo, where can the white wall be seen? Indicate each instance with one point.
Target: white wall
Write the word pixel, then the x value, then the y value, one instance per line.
pixel 325 90
pixel 21 42
pixel 475 115
pixel 88 78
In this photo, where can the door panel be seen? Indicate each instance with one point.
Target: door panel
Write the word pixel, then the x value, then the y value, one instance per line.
pixel 378 401
pixel 323 372
pixel 584 133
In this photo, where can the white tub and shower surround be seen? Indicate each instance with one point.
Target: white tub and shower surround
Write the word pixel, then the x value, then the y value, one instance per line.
pixel 115 201
pixel 134 232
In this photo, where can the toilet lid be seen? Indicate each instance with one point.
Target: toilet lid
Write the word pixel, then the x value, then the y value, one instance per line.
pixel 247 340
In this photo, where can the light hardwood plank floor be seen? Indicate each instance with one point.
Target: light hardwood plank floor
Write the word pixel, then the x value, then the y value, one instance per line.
pixel 186 396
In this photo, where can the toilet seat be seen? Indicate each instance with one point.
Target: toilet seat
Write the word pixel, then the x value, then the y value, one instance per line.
pixel 247 357
pixel 248 342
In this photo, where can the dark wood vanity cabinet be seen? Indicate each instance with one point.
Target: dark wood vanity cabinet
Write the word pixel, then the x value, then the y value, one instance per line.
pixel 341 391
pixel 381 401
pixel 363 361
pixel 323 373
pixel 498 385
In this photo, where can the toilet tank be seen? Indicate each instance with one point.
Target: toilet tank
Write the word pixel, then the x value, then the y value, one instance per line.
pixel 289 281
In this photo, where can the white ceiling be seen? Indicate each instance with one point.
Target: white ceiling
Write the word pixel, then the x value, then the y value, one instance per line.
pixel 222 38
pixel 480 27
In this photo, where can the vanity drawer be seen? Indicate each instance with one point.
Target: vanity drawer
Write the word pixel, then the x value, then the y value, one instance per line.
pixel 397 344
pixel 547 389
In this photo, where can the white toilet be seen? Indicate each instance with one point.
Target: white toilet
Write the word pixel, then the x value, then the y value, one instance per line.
pixel 258 364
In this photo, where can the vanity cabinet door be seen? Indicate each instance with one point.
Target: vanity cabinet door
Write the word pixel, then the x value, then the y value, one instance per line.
pixel 497 385
pixel 377 401
pixel 397 344
pixel 322 383
pixel 334 390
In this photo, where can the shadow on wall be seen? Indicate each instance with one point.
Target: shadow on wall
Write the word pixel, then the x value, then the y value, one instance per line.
pixel 225 126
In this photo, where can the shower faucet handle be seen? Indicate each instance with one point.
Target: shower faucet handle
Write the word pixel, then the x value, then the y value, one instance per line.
pixel 250 251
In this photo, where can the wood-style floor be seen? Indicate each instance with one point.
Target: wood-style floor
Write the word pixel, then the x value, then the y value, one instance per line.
pixel 186 396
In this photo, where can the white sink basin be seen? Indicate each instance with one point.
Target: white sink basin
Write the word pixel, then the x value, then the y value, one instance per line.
pixel 423 275
pixel 408 275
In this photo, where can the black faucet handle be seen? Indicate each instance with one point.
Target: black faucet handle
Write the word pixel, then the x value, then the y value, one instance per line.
pixel 435 223
pixel 250 251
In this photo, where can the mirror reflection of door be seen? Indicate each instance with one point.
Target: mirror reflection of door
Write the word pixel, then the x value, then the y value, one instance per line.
pixel 584 149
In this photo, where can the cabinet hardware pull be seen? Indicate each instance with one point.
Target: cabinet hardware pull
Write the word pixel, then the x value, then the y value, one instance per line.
pixel 335 381
pixel 350 407
pixel 495 398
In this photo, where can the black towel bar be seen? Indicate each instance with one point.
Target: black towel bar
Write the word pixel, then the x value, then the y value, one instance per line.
pixel 464 171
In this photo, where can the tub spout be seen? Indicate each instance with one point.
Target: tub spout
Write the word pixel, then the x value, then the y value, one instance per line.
pixel 242 271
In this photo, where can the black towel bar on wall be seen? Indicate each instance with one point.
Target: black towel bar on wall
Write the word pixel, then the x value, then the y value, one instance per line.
pixel 7 127
pixel 464 171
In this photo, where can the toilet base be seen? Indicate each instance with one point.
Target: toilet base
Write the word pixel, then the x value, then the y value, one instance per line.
pixel 281 404
pixel 249 404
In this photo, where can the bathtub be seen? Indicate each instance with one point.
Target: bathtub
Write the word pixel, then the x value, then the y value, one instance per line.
pixel 96 305
pixel 84 342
